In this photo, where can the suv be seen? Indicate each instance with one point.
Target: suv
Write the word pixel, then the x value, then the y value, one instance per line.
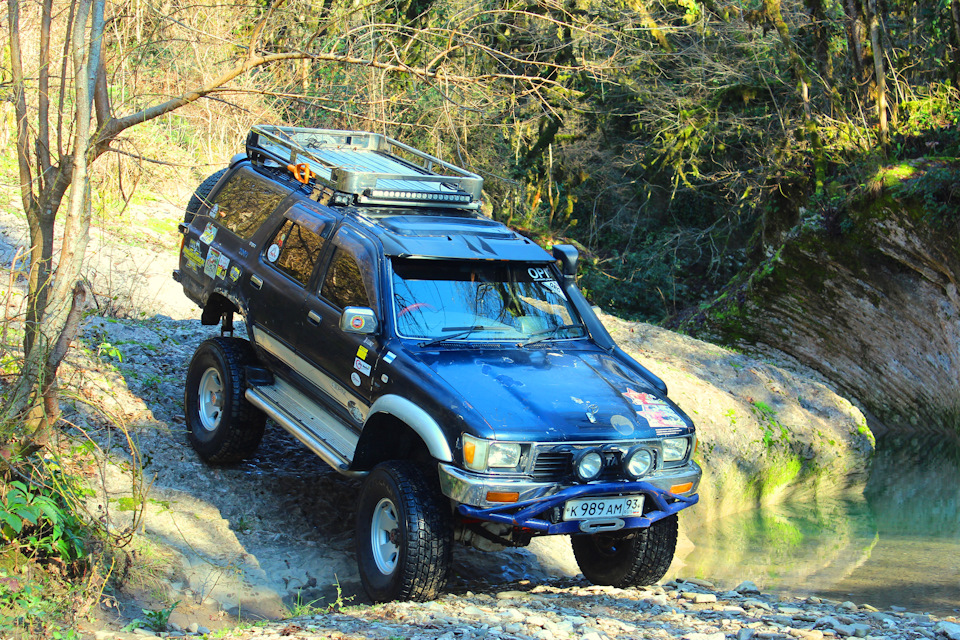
pixel 447 360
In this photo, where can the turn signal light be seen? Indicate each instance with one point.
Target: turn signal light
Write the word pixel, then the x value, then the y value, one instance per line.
pixel 469 451
pixel 502 496
pixel 681 488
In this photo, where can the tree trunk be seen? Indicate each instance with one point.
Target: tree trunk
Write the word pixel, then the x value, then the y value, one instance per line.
pixel 870 9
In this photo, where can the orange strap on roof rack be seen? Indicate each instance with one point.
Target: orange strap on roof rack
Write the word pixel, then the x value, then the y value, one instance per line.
pixel 301 172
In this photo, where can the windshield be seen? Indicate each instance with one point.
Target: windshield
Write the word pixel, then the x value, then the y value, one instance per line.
pixel 478 301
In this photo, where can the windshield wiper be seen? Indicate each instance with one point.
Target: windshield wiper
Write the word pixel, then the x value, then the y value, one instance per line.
pixel 547 334
pixel 460 333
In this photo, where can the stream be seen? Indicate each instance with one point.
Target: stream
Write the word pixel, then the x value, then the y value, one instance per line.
pixel 898 545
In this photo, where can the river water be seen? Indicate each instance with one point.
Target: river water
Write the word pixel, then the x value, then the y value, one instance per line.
pixel 897 545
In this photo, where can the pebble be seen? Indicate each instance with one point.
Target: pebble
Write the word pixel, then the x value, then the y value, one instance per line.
pixel 685 610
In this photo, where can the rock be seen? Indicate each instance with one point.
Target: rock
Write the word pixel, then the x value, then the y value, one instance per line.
pixel 537 621
pixel 699 598
pixel 756 604
pixel 949 629
pixel 745 634
pixel 509 595
pixel 203 630
pixel 789 611
pixel 700 583
pixel 511 615
pixel 475 612
pixel 193 627
pixel 849 606
pixel 144 632
pixel 854 630
pixel 705 636
pixel 746 587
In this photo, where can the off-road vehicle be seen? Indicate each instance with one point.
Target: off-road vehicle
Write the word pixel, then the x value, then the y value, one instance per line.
pixel 450 362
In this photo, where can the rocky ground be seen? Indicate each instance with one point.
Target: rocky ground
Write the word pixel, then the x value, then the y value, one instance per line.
pixel 272 538
pixel 687 610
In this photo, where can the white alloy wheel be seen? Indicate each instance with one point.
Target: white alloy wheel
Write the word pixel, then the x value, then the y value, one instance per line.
pixel 211 399
pixel 384 531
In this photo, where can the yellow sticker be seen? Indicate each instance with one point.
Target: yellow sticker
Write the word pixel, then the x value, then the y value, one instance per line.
pixel 362 352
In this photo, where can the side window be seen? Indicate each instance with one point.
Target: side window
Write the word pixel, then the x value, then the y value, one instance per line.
pixel 295 251
pixel 350 279
pixel 245 202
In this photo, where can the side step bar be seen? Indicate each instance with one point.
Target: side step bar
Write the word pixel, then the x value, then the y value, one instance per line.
pixel 266 399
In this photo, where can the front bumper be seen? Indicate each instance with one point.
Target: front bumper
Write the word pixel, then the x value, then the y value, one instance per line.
pixel 540 504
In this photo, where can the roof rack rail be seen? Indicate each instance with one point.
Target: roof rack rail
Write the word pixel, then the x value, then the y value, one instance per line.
pixel 371 167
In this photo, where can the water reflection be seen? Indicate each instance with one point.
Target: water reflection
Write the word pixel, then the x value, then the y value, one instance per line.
pixel 897 545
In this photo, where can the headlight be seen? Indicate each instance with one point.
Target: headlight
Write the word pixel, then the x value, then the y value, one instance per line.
pixel 675 449
pixel 503 455
pixel 638 462
pixel 588 465
pixel 479 454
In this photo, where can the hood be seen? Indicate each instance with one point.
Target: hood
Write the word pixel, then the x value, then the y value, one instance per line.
pixel 556 395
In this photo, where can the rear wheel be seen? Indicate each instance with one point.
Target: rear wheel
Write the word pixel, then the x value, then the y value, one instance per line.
pixel 199 197
pixel 631 558
pixel 223 426
pixel 404 534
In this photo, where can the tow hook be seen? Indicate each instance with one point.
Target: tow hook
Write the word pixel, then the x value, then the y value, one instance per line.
pixel 596 526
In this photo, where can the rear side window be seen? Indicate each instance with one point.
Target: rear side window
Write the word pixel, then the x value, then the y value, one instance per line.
pixel 245 202
pixel 296 249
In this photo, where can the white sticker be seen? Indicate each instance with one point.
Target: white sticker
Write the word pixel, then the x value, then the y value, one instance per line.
pixel 554 286
pixel 384 378
pixel 622 424
pixel 222 265
pixel 389 357
pixel 209 233
pixel 361 366
pixel 539 274
pixel 213 259
pixel 355 379
pixel 273 252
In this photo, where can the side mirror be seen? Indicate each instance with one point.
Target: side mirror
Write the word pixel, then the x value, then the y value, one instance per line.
pixel 358 320
pixel 567 255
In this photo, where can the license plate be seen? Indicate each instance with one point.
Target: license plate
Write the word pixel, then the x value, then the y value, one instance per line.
pixel 591 508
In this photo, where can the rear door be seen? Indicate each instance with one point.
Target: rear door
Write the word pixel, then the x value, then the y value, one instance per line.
pixel 345 362
pixel 287 266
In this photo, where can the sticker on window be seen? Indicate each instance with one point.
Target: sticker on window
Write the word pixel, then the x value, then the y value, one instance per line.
pixel 389 357
pixel 554 286
pixel 362 352
pixel 357 322
pixel 540 274
pixel 235 273
pixel 209 233
pixel 273 252
pixel 355 379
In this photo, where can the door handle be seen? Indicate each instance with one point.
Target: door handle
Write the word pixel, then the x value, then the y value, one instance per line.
pixel 256 281
pixel 314 318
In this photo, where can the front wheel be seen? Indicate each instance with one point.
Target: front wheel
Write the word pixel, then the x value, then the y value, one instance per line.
pixel 223 426
pixel 633 558
pixel 404 534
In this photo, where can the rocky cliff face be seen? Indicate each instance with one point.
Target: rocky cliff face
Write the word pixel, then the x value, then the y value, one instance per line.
pixel 869 300
pixel 768 429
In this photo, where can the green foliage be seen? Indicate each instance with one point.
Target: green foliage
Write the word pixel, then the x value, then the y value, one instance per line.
pixel 38 520
pixel 153 619
pixel 937 190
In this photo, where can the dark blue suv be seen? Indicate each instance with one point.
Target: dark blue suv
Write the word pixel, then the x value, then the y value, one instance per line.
pixel 450 362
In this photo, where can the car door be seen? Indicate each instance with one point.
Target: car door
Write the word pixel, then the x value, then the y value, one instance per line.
pixel 276 292
pixel 347 360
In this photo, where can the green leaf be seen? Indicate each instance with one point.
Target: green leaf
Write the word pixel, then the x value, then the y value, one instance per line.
pixel 12 521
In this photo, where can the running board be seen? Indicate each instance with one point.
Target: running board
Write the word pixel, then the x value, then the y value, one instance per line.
pixel 309 423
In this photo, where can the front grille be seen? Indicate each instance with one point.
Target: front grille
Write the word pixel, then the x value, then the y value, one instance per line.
pixel 553 466
pixel 557 466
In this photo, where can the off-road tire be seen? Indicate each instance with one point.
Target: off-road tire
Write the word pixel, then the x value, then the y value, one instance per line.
pixel 199 196
pixel 633 558
pixel 423 535
pixel 222 426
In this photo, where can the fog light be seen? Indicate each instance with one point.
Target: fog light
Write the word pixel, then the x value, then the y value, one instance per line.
pixel 589 465
pixel 638 462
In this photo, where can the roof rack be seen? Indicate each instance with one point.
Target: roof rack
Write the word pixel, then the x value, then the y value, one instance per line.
pixel 371 167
